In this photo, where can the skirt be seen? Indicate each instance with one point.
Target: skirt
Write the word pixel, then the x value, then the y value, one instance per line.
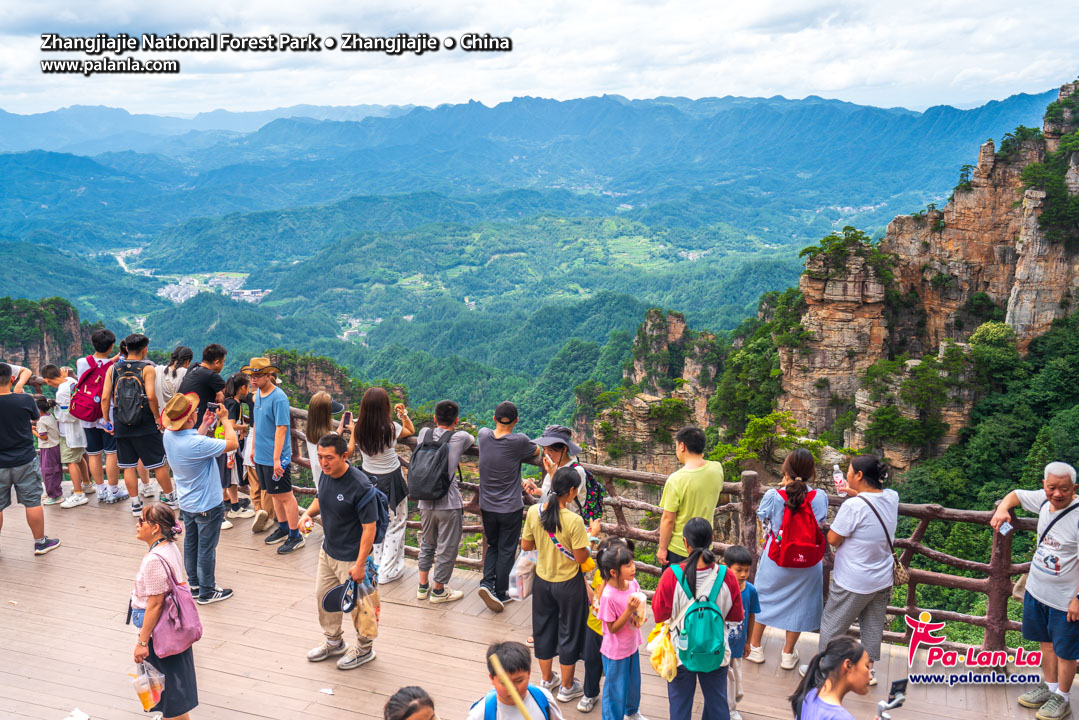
pixel 181 694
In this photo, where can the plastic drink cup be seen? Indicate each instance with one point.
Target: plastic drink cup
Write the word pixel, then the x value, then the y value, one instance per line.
pixel 839 479
pixel 641 613
pixel 145 693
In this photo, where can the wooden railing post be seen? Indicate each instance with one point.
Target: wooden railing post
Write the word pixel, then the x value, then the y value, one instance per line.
pixel 998 590
pixel 747 531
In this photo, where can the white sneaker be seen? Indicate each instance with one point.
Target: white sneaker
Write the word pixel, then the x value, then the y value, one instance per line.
pixel 735 715
pixel 788 661
pixel 553 684
pixel 638 716
pixel 755 655
pixel 225 524
pixel 574 691
pixel 74 500
pixel 88 488
pixel 146 489
pixel 448 594
pixel 585 704
pixel 241 513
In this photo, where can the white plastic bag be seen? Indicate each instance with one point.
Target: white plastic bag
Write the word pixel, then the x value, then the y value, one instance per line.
pixel 522 575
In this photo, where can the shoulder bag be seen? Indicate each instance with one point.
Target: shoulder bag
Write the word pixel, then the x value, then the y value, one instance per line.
pixel 900 574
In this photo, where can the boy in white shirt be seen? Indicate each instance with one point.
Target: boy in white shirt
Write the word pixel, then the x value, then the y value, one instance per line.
pixel 497 704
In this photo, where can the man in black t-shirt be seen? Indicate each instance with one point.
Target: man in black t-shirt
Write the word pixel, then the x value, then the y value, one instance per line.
pixel 20 468
pixel 205 378
pixel 349 522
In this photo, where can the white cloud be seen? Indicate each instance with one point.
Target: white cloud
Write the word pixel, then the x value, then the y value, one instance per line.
pixel 914 53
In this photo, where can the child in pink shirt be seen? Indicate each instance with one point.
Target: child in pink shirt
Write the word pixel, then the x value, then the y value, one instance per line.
pixel 621 610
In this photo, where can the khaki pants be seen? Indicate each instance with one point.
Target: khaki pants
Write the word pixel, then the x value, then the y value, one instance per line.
pixel 365 617
pixel 260 499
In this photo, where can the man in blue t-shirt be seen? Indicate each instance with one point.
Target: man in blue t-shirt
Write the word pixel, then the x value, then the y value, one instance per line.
pixel 273 453
pixel 193 457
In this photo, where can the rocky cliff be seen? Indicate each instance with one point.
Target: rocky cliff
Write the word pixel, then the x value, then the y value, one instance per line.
pixel 303 375
pixel 673 375
pixel 989 253
pixel 34 334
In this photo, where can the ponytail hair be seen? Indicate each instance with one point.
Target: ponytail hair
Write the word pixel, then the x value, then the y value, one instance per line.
pixel 44 404
pixel 800 468
pixel 826 665
pixel 698 535
pixel 235 383
pixel 565 479
pixel 179 356
pixel 160 514
pixel 405 702
pixel 873 471
pixel 613 558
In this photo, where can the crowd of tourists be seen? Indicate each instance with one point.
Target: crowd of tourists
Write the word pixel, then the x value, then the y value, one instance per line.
pixel 203 438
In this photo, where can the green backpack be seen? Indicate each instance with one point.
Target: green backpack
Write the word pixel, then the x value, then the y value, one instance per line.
pixel 702 640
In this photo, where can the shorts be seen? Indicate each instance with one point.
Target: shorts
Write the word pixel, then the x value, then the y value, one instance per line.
pixel 1042 623
pixel 559 619
pixel 271 485
pixel 98 441
pixel 147 448
pixel 70 454
pixel 229 475
pixel 26 479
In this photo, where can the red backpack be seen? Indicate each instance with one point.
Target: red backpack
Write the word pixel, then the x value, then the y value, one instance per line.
pixel 86 397
pixel 800 543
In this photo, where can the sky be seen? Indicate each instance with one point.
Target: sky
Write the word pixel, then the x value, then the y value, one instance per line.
pixel 914 53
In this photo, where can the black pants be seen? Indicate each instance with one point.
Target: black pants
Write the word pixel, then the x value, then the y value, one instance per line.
pixel 559 619
pixel 503 533
pixel 593 663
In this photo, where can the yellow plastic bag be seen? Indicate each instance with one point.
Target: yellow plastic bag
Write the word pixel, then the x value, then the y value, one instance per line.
pixel 664 657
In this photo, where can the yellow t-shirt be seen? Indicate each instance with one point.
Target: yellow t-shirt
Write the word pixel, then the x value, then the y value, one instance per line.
pixel 551 564
pixel 597 591
pixel 690 494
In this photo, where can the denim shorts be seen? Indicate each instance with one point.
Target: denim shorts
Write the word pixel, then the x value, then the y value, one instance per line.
pixel 1042 623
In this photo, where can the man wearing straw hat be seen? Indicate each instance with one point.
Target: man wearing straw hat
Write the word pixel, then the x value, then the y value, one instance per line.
pixel 273 453
pixel 193 457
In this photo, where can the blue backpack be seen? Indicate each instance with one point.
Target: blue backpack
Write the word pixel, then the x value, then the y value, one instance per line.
pixel 383 522
pixel 490 700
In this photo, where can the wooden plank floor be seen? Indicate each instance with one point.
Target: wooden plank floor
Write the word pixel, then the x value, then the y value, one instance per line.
pixel 64 645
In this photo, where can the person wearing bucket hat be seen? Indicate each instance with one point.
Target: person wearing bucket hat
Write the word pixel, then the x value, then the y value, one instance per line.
pixel 346 579
pixel 560 451
pixel 273 452
pixel 193 457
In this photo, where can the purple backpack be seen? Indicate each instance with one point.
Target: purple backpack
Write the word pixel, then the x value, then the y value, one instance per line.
pixel 179 626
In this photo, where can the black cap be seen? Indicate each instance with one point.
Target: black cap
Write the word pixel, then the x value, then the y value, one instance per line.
pixel 506 412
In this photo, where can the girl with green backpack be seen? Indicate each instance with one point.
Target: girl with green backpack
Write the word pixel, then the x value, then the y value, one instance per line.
pixel 696 598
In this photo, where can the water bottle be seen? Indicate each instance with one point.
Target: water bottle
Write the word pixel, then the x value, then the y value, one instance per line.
pixel 839 479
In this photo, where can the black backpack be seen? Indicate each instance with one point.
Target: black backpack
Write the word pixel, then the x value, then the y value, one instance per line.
pixel 129 394
pixel 428 471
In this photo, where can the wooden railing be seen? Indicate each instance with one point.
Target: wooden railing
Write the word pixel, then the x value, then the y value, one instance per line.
pixel 739 501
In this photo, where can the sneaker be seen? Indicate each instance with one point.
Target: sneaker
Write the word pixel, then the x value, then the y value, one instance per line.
pixel 45 544
pixel 788 661
pixel 88 488
pixel 565 694
pixel 1055 708
pixel 1037 697
pixel 735 715
pixel 262 522
pixel 530 641
pixel 494 604
pixel 278 535
pixel 136 507
pixel 225 524
pixel 553 684
pixel 353 658
pixel 446 594
pixel 872 677
pixel 75 500
pixel 293 543
pixel 218 595
pixel 803 669
pixel 107 498
pixel 422 592
pixel 585 704
pixel 327 650
pixel 53 500
pixel 118 496
pixel 755 654
pixel 638 716
pixel 169 499
pixel 241 513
